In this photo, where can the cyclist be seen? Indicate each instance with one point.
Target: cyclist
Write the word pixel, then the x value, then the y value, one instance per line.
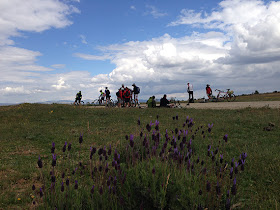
pixel 101 97
pixel 108 96
pixel 78 98
pixel 208 91
pixel 136 91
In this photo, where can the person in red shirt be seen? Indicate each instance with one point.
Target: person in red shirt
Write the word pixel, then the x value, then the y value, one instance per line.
pixel 126 96
pixel 208 91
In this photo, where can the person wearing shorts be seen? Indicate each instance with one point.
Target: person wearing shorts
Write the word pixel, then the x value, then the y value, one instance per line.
pixel 127 95
pixel 107 95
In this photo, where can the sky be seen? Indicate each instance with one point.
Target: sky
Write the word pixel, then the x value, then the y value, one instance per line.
pixel 51 49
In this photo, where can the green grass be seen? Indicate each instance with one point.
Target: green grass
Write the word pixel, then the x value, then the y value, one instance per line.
pixel 28 130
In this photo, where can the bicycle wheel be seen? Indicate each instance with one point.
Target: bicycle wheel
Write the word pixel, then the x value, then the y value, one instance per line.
pixel 231 97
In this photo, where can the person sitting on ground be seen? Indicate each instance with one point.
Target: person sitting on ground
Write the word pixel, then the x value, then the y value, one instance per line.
pixel 208 91
pixel 164 102
pixel 108 96
pixel 101 97
pixel 127 95
pixel 78 98
pixel 151 102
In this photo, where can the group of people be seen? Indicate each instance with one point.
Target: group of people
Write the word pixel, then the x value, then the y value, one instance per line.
pixel 129 97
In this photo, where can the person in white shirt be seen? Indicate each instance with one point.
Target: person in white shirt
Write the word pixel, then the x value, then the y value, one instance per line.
pixel 190 91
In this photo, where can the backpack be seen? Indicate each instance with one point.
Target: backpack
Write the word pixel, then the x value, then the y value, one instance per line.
pixel 137 90
pixel 118 94
pixel 127 94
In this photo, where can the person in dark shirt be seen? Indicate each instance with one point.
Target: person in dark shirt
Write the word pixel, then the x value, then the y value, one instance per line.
pixel 164 102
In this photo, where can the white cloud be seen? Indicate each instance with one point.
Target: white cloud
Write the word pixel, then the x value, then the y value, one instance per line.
pixel 132 7
pixel 58 66
pixel 92 57
pixel 152 10
pixel 83 39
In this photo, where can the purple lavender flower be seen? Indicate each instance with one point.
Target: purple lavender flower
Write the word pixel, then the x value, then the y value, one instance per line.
pixel 53 179
pixel 153 171
pixel 69 146
pixel 109 150
pixel 208 186
pixel 225 138
pixel 176 117
pixel 148 127
pixel 101 190
pixel 231 172
pixel 100 151
pixel 64 147
pixel 53 147
pixel 227 204
pixel 92 189
pixel 41 192
pixel 131 142
pixel 218 189
pixel 210 126
pixel 233 188
pixel 242 165
pixel 33 187
pixel 63 175
pixel 76 185
pixel 236 168
pixel 157 125
pixel 67 182
pixel 62 187
pixel 81 138
pixel 39 162
pixel 221 158
pixel 138 121
pixel 53 160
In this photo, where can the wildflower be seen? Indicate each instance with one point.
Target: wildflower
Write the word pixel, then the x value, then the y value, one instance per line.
pixel 34 202
pixel 32 196
pixel 67 182
pixel 225 138
pixel 64 147
pixel 141 134
pixel 208 186
pixel 101 190
pixel 110 150
pixel 176 131
pixel 228 204
pixel 218 189
pixel 100 151
pixel 231 172
pixel 153 171
pixel 244 156
pixel 233 188
pixel 40 163
pixel 62 187
pixel 19 199
pixel 173 118
pixel 69 146
pixel 92 189
pixel 41 192
pixel 76 185
pixel 242 165
pixel 210 126
pixel 216 151
pixel 138 121
pixel 81 139
pixel 148 127
pixel 221 158
pixel 53 147
pixel 131 142
pixel 236 168
pixel 202 162
pixel 176 117
pixel 53 160
pixel 157 123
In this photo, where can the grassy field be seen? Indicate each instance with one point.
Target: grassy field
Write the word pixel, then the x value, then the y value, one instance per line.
pixel 28 130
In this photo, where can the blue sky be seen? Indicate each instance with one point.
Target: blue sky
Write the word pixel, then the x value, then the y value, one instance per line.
pixel 51 49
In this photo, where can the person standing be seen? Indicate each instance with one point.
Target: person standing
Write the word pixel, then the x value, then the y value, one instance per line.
pixel 136 91
pixel 190 91
pixel 208 91
pixel 127 94
pixel 107 95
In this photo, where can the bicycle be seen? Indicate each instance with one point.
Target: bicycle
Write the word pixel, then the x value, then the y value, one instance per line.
pixel 174 103
pixel 228 95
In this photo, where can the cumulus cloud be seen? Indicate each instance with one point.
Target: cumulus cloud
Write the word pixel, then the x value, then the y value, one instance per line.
pixel 58 66
pixel 239 50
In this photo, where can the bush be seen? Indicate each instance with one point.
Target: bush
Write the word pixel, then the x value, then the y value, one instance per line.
pixel 169 169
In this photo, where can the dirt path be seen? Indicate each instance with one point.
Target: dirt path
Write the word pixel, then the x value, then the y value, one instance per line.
pixel 224 105
pixel 234 105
